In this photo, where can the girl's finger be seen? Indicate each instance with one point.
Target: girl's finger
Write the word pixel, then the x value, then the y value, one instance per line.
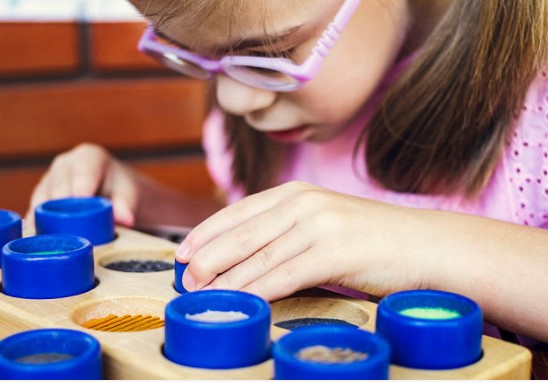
pixel 41 191
pixel 124 200
pixel 237 244
pixel 88 181
pixel 291 276
pixel 233 215
pixel 60 177
pixel 288 245
pixel 39 195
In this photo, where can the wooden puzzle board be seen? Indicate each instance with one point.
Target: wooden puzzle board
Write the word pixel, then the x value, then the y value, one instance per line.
pixel 138 355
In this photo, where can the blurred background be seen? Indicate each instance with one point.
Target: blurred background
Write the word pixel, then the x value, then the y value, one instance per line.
pixel 70 72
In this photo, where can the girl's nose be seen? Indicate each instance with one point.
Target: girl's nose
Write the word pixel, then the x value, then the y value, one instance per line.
pixel 239 99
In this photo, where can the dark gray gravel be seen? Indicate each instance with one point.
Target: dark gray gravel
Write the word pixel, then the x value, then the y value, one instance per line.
pixel 136 266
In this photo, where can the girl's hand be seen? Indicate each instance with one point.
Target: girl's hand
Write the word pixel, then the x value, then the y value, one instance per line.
pixel 296 236
pixel 89 170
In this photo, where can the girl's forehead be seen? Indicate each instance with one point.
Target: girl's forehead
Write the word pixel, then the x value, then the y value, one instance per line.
pixel 207 25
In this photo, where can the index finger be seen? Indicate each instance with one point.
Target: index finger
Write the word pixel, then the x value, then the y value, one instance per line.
pixel 234 215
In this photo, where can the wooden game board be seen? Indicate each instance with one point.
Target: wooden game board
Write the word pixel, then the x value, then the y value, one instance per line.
pixel 138 354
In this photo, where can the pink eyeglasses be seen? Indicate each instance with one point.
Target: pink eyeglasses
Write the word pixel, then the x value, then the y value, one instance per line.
pixel 275 74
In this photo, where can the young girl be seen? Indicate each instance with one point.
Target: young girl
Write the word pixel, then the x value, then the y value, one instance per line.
pixel 384 145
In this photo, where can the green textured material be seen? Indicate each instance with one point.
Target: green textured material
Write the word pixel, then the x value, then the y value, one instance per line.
pixel 430 313
pixel 46 253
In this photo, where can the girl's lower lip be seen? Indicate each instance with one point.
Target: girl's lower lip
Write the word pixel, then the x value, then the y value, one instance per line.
pixel 288 136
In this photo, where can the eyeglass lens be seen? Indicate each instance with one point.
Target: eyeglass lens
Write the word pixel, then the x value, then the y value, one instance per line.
pixel 249 75
pixel 262 77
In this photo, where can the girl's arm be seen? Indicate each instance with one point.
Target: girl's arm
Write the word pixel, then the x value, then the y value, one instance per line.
pixel 297 236
pixel 502 266
pixel 137 200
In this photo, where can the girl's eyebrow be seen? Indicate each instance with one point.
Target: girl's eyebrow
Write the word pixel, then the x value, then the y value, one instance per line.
pixel 291 35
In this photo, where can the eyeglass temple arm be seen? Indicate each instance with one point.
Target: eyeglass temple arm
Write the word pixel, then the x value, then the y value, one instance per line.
pixel 334 29
pixel 146 36
pixel 326 42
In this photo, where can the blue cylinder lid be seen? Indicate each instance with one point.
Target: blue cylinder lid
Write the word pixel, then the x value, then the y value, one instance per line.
pixel 89 217
pixel 11 228
pixel 178 283
pixel 50 354
pixel 430 329
pixel 47 266
pixel 242 342
pixel 9 219
pixel 373 362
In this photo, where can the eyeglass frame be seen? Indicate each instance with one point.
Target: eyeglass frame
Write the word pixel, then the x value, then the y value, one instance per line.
pixel 303 73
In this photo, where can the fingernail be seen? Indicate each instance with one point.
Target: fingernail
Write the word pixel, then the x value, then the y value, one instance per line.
pixel 188 281
pixel 183 252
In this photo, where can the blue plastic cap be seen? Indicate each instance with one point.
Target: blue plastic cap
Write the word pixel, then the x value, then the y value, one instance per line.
pixel 11 227
pixel 288 366
pixel 50 354
pixel 47 266
pixel 89 217
pixel 445 341
pixel 217 345
pixel 179 270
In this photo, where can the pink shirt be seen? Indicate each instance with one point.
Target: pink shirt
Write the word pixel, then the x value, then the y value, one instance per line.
pixel 517 191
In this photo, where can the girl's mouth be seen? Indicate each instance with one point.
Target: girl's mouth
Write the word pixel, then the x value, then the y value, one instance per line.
pixel 296 134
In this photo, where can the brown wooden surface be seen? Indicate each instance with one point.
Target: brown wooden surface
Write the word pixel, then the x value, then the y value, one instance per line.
pixel 123 114
pixel 32 48
pixel 137 355
pixel 114 47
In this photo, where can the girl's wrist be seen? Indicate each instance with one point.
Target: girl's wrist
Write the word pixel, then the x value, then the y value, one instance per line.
pixel 405 262
pixel 425 241
pixel 454 251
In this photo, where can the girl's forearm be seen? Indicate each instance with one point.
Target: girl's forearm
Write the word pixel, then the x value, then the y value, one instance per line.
pixel 502 266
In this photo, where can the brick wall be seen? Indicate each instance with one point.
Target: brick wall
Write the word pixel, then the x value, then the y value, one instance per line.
pixel 62 83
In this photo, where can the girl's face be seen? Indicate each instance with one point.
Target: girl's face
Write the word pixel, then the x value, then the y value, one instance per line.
pixel 327 104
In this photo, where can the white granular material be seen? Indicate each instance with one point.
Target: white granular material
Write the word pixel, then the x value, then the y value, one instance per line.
pixel 217 316
pixel 324 354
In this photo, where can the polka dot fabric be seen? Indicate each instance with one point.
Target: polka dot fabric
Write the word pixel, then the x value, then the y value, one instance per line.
pixel 527 158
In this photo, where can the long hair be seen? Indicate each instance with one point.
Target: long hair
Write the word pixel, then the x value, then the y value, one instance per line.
pixel 257 159
pixel 443 124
